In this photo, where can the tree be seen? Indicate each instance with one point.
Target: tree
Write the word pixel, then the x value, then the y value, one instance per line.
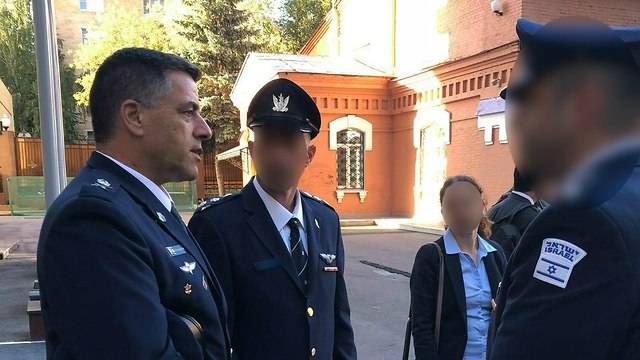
pixel 121 28
pixel 219 38
pixel 18 70
pixel 262 20
pixel 300 18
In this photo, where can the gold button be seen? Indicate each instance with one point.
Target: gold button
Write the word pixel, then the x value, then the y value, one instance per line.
pixel 313 352
pixel 310 311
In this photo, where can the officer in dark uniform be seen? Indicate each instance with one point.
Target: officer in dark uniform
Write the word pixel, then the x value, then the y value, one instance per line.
pixel 279 251
pixel 511 215
pixel 120 276
pixel 571 289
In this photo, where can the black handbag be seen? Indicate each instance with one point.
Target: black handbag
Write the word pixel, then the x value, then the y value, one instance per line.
pixel 436 330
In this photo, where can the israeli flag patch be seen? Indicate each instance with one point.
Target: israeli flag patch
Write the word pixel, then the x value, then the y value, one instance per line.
pixel 556 261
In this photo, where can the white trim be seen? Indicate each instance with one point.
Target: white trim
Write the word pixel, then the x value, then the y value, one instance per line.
pixel 21 342
pixel 362 194
pixel 526 196
pixel 427 117
pixel 491 121
pixel 350 122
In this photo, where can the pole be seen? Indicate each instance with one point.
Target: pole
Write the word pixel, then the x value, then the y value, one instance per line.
pixel 49 106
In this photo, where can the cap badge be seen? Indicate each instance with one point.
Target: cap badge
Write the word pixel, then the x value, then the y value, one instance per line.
pixel 280 103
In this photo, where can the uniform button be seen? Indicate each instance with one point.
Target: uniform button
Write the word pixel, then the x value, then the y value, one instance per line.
pixel 310 311
pixel 313 352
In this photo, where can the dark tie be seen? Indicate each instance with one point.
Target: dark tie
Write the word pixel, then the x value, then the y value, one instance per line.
pixel 297 250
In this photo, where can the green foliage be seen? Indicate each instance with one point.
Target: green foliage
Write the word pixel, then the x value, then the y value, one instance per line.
pixel 18 70
pixel 300 18
pixel 121 28
pixel 219 37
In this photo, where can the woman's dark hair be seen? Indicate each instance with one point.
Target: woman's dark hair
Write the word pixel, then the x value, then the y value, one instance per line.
pixel 484 229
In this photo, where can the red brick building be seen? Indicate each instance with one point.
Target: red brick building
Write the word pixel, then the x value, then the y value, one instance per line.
pixel 408 92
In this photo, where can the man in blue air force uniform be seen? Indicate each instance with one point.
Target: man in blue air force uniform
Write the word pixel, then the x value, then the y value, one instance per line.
pixel 278 251
pixel 120 276
pixel 571 289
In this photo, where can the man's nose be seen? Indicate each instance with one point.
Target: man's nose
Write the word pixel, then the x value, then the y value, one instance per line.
pixel 201 130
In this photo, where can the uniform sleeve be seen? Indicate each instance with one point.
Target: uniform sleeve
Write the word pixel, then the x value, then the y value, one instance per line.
pixel 584 320
pixel 100 293
pixel 344 343
pixel 204 229
pixel 423 285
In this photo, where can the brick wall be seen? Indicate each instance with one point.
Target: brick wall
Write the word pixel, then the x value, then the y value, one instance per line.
pixel 614 12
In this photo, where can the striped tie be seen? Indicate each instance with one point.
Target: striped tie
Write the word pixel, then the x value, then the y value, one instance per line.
pixel 297 250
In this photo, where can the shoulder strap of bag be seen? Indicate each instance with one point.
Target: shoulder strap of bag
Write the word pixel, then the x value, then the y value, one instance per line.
pixel 438 319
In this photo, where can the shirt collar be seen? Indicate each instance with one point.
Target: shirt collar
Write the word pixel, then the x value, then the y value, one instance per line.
pixel 524 195
pixel 451 245
pixel 158 191
pixel 279 214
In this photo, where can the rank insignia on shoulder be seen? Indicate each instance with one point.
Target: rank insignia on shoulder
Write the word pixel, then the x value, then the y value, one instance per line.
pixel 161 216
pixel 102 183
pixel 556 261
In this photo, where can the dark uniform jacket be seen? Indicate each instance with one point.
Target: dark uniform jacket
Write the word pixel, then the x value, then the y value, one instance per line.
pixel 571 289
pixel 424 285
pixel 121 278
pixel 272 317
pixel 510 217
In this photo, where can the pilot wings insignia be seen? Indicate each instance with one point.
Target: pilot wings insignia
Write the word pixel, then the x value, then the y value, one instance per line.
pixel 327 258
pixel 280 103
pixel 188 267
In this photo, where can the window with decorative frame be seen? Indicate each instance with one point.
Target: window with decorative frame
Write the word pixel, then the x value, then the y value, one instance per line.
pixel 350 159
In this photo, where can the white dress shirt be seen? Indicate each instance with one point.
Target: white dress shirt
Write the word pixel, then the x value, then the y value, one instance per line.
pixel 524 195
pixel 281 215
pixel 158 191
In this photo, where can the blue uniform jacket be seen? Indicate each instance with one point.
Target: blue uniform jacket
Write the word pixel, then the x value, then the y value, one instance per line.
pixel 272 318
pixel 121 278
pixel 571 289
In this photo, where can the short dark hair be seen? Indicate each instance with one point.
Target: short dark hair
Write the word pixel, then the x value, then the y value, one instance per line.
pixel 131 73
pixel 521 182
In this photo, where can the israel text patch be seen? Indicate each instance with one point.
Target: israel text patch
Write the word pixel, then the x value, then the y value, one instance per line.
pixel 556 261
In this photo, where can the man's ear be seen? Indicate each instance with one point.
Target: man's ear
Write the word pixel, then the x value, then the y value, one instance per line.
pixel 311 153
pixel 131 112
pixel 250 145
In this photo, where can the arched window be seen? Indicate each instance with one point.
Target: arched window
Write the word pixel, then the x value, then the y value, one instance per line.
pixel 350 159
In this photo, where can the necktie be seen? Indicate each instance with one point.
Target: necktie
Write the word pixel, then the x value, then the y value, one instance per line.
pixel 298 253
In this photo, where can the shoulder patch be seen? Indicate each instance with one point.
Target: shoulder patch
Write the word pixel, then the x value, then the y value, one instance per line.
pixel 313 197
pixel 204 205
pixel 556 261
pixel 100 187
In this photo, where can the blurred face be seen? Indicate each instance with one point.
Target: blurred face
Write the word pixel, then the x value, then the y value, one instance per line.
pixel 280 156
pixel 174 131
pixel 462 207
pixel 540 128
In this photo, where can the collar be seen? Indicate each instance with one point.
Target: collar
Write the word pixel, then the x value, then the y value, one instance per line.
pixel 451 245
pixel 158 191
pixel 524 195
pixel 279 214
pixel 574 183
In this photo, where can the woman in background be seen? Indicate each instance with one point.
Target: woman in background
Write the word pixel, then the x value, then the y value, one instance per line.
pixel 473 267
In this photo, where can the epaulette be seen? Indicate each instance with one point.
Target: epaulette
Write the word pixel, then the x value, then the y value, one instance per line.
pixel 100 187
pixel 313 197
pixel 204 205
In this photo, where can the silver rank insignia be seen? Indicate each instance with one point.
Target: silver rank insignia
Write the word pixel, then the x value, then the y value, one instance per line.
pixel 317 224
pixel 188 288
pixel 161 217
pixel 280 103
pixel 102 183
pixel 204 283
pixel 188 267
pixel 328 258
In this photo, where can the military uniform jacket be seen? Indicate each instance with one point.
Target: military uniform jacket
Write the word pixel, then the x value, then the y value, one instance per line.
pixel 512 210
pixel 571 289
pixel 121 278
pixel 272 318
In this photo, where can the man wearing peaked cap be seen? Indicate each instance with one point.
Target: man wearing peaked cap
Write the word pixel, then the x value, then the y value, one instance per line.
pixel 571 289
pixel 278 251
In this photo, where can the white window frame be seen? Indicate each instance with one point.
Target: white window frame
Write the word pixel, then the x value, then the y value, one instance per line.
pixel 92 5
pixel 489 122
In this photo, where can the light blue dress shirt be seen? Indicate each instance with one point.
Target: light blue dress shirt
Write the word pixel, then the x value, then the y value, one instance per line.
pixel 478 295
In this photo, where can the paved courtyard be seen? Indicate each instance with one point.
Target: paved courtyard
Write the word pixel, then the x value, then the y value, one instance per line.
pixel 377 263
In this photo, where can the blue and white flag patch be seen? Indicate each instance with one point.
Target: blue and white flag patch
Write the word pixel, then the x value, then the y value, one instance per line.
pixel 176 250
pixel 556 261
